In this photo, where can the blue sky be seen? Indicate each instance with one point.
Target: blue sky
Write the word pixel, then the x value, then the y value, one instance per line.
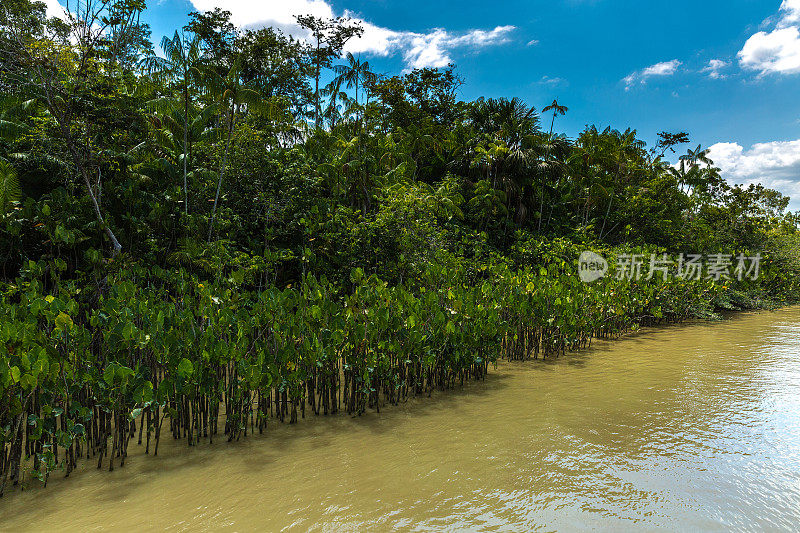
pixel 726 72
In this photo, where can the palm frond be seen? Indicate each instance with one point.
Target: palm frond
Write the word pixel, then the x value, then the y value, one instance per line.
pixel 10 190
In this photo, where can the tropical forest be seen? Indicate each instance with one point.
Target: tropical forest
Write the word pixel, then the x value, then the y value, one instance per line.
pixel 231 237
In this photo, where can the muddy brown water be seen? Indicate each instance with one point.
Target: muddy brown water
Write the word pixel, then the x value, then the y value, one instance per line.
pixel 685 427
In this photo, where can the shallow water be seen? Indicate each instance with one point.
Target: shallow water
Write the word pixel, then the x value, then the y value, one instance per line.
pixel 685 427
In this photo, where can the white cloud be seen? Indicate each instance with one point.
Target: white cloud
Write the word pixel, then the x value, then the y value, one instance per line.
pixel 280 13
pixel 790 11
pixel 713 68
pixel 375 40
pixel 776 51
pixel 774 164
pixel 418 50
pixel 479 38
pixel 432 49
pixel 547 80
pixel 54 9
pixel 427 50
pixel 665 68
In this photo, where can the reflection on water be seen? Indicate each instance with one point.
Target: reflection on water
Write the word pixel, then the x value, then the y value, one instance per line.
pixel 694 426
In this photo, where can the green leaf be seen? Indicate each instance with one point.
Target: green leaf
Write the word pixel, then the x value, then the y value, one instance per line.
pixel 27 381
pixel 127 331
pixel 108 374
pixel 124 372
pixel 185 368
pixel 63 321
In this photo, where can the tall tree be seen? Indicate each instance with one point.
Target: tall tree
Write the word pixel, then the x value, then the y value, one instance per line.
pixel 69 70
pixel 329 37
pixel 179 66
pixel 276 65
pixel 668 141
pixel 217 37
pixel 557 110
pixel 354 74
pixel 230 95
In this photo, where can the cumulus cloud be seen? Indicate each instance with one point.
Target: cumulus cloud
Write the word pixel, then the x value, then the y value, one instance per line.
pixel 776 51
pixel 663 69
pixel 774 164
pixel 790 12
pixel 375 39
pixel 713 68
pixel 54 9
pixel 431 49
pixel 246 13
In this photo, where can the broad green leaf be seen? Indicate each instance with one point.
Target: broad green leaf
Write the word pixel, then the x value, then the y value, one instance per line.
pixel 185 368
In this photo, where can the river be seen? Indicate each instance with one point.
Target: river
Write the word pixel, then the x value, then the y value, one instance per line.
pixel 694 426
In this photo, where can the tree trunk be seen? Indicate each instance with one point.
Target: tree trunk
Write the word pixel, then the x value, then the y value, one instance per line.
pixel 222 171
pixel 64 125
pixel 185 151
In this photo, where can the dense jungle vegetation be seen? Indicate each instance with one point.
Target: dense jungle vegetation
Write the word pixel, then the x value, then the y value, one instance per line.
pixel 239 226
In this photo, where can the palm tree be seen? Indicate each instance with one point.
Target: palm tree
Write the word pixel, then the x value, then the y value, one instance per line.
pixel 231 96
pixel 510 120
pixel 695 170
pixel 556 150
pixel 332 113
pixel 168 131
pixel 508 156
pixel 696 157
pixel 329 37
pixel 623 149
pixel 584 169
pixel 352 75
pixel 557 110
pixel 180 65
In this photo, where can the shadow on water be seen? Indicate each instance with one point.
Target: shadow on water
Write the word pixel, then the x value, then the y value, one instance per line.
pixel 618 433
pixel 641 337
pixel 632 339
pixel 257 451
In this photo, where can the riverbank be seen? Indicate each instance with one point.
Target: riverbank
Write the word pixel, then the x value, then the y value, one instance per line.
pixel 88 381
pixel 690 426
